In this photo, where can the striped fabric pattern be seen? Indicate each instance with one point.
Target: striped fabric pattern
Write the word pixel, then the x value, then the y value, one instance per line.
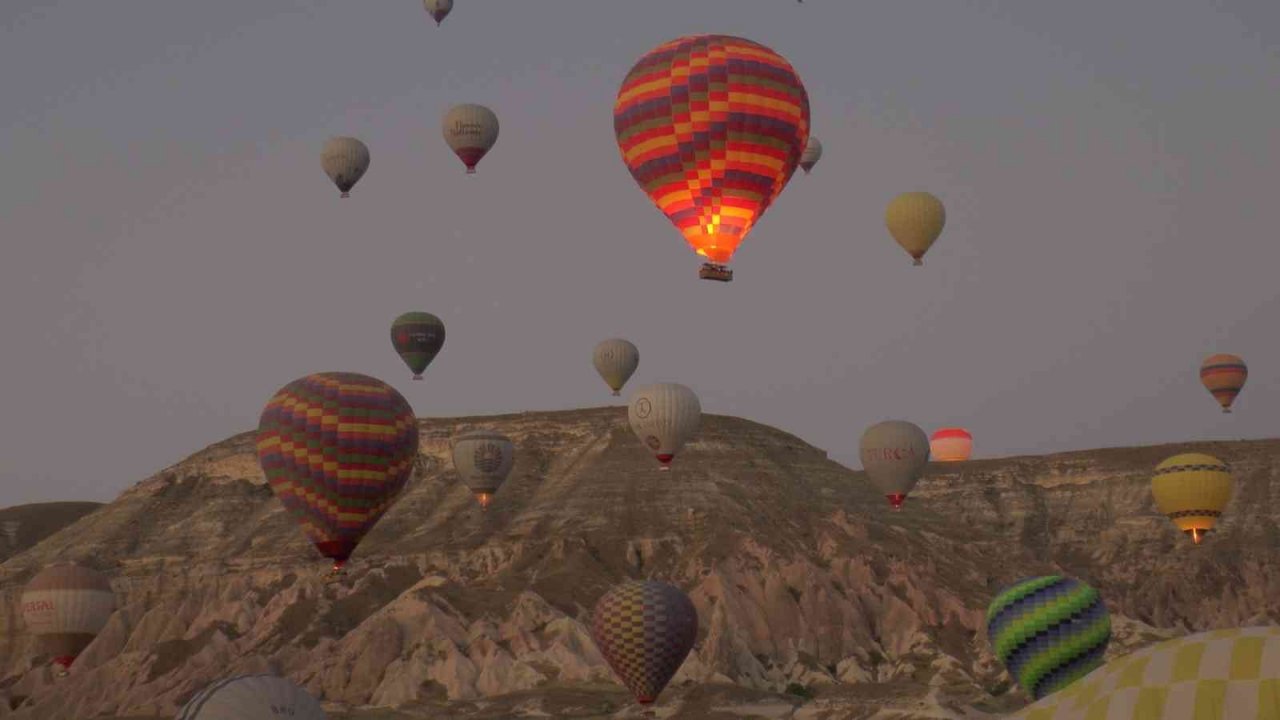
pixel 1229 674
pixel 1224 376
pixel 337 448
pixel 712 127
pixel 1049 632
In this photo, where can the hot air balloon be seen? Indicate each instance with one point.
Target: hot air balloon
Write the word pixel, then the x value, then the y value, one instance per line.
pixel 1216 675
pixel 483 459
pixel 1192 490
pixel 664 416
pixel 337 448
pixel 252 697
pixel 65 606
pixel 811 155
pixel 615 359
pixel 417 338
pixel 438 9
pixel 712 128
pixel 645 630
pixel 915 221
pixel 1224 376
pixel 894 454
pixel 470 131
pixel 1049 632
pixel 950 445
pixel 345 160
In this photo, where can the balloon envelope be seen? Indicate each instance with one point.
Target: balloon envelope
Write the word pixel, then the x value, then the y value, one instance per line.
pixel 417 338
pixel 645 630
pixel 1224 376
pixel 345 160
pixel 811 155
pixel 1049 632
pixel 894 453
pixel 664 416
pixel 337 448
pixel 252 697
pixel 950 445
pixel 712 128
pixel 471 131
pixel 65 606
pixel 1192 490
pixel 483 459
pixel 438 9
pixel 1216 675
pixel 615 360
pixel 915 221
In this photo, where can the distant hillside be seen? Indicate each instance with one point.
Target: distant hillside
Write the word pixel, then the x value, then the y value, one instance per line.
pixel 802 577
pixel 22 526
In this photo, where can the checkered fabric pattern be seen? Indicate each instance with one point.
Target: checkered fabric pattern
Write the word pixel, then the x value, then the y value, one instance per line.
pixel 645 630
pixel 1217 675
pixel 712 127
pixel 1049 632
pixel 337 448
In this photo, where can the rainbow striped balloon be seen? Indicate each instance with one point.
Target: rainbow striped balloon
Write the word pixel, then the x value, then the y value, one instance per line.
pixel 712 127
pixel 1049 632
pixel 1224 376
pixel 337 448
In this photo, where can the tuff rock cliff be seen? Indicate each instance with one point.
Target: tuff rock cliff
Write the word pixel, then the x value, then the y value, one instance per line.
pixel 816 602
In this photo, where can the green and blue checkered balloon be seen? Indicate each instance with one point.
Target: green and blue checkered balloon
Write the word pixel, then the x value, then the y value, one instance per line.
pixel 1049 632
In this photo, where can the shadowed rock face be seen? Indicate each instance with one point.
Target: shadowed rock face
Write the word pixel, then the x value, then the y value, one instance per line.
pixel 801 575
pixel 22 526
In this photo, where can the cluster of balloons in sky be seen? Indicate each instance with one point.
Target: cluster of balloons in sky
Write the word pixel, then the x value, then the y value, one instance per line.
pixel 712 128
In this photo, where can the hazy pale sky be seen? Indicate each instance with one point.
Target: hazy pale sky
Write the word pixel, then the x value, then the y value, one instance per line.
pixel 173 253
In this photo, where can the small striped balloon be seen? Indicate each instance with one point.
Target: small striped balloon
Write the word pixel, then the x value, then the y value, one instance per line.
pixel 645 630
pixel 950 445
pixel 337 448
pixel 1049 632
pixel 1224 375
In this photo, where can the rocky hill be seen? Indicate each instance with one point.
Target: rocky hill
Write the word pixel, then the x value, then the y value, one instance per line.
pixel 816 601
pixel 22 526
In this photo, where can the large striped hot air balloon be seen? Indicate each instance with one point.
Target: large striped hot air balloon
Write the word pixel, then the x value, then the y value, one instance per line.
pixel 252 697
pixel 712 128
pixel 664 416
pixel 1192 490
pixel 483 459
pixel 1049 632
pixel 337 448
pixel 1224 375
pixel 417 338
pixel 65 606
pixel 1216 675
pixel 950 445
pixel 645 630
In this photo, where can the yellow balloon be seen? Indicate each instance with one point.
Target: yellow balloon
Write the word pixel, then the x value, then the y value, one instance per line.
pixel 1192 490
pixel 915 221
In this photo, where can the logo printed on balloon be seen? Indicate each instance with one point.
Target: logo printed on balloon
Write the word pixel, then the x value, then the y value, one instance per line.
pixel 653 442
pixel 643 408
pixel 467 128
pixel 488 458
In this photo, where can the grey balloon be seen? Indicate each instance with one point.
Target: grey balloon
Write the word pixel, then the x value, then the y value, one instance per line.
pixel 252 697
pixel 483 459
pixel 345 160
pixel 616 360
pixel 811 155
pixel 894 454
pixel 664 416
